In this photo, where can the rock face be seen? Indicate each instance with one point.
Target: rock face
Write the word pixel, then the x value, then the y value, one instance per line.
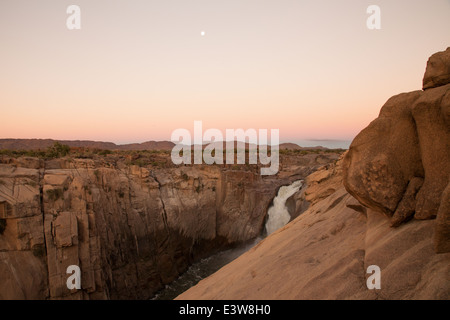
pixel 325 254
pixel 130 229
pixel 400 163
pixel 438 70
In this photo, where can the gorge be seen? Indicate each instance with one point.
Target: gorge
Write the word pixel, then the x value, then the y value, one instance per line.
pixel 131 228
pixel 278 215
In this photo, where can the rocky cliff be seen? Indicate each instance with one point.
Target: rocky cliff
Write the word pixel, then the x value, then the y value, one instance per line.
pixel 396 171
pixel 130 229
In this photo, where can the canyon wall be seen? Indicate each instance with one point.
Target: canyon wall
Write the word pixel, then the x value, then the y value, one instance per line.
pixel 130 229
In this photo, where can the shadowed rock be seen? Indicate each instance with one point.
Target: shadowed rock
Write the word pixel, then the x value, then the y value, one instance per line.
pixel 442 234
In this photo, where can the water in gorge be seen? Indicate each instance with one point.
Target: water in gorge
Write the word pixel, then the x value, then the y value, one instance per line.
pixel 278 216
pixel 201 270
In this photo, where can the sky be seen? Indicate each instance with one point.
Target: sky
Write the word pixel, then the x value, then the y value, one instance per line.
pixel 139 69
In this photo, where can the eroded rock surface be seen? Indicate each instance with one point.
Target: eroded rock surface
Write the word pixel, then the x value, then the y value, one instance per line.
pixel 400 163
pixel 438 70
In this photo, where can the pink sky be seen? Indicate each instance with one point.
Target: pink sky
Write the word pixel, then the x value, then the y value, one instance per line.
pixel 137 70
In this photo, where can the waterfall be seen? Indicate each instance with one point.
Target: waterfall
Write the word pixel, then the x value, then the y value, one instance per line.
pixel 278 214
pixel 278 217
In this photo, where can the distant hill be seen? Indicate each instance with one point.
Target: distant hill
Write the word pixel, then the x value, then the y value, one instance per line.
pixel 289 146
pixel 149 145
pixel 293 146
pixel 41 144
pixel 36 144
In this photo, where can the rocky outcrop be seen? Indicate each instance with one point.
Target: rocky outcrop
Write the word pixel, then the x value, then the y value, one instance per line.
pixel 325 254
pixel 400 163
pixel 438 70
pixel 130 229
